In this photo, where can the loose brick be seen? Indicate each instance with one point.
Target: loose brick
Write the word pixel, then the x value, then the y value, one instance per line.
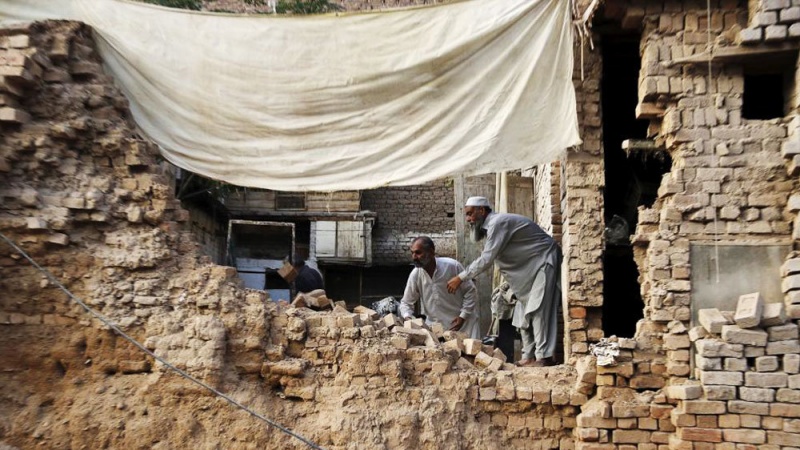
pixel 703 407
pixel 756 394
pixel 767 363
pixel 735 335
pixel 773 314
pixel 703 363
pixel 630 436
pixel 712 320
pixel 685 392
pixel 788 395
pixel 720 392
pixel 782 332
pixel 745 436
pixel 766 380
pixel 791 364
pixel 711 348
pixel 783 438
pixel 748 310
pixel 784 410
pixel 783 347
pixel 700 434
pixel 743 407
pixel 723 378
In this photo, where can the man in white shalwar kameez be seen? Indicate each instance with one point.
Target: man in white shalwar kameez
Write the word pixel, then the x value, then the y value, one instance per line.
pixel 427 283
pixel 530 261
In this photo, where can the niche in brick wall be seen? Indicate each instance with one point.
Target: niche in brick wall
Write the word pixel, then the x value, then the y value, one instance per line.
pixel 769 85
pixel 631 180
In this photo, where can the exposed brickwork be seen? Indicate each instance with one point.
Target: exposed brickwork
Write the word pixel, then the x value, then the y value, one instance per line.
pixel 582 240
pixel 407 212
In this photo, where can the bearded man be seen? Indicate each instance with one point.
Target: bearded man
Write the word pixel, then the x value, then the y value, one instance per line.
pixel 530 261
pixel 427 283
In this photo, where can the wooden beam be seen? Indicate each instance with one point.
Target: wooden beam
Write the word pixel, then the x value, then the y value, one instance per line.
pixel 739 54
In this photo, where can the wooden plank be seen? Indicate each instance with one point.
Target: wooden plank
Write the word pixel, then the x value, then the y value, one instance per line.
pixel 520 196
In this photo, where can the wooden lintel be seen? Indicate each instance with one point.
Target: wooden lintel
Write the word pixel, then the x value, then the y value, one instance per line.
pixel 738 54
pixel 640 145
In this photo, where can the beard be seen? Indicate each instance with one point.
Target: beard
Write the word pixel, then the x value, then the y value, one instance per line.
pixel 422 262
pixel 476 231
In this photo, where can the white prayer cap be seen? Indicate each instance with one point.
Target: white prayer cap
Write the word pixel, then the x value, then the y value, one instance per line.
pixel 478 201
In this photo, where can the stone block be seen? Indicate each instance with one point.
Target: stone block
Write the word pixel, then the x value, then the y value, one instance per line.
pixel 783 439
pixel 788 395
pixel 712 320
pixel 733 334
pixel 743 407
pixel 794 381
pixel 782 332
pixel 792 298
pixel 762 395
pixel 711 348
pixel 789 410
pixel 783 347
pixel 749 36
pixel 723 378
pixel 36 223
pixel 767 364
pixel 700 434
pixel 720 392
pixel 749 310
pixel 703 407
pixel 735 364
pixel 58 239
pixel 794 31
pixel 400 342
pixel 754 352
pixel 789 15
pixel 745 436
pixel 766 380
pixel 697 333
pixel 773 315
pixel 774 5
pixel 684 392
pixel 13 115
pixel 791 364
pixel 703 363
pixel 765 18
pixel 790 283
pixel 630 436
pixel 472 346
pixel 792 266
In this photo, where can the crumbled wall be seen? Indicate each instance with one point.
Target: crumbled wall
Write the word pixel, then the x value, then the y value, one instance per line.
pixel 724 168
pixel 407 212
pixel 87 199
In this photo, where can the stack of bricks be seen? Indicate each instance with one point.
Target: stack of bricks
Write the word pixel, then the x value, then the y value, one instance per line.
pixel 772 21
pixel 791 283
pixel 748 366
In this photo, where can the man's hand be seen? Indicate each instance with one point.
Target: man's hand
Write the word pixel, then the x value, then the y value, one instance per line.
pixel 453 284
pixel 457 323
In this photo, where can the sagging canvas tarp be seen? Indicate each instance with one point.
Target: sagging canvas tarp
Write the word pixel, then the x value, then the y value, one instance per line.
pixel 336 102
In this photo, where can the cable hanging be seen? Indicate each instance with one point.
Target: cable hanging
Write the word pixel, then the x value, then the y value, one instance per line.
pixel 141 347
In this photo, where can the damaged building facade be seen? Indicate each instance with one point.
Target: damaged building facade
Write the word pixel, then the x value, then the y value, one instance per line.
pixel 680 204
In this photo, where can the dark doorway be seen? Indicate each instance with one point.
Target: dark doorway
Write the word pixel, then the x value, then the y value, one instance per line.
pixel 632 179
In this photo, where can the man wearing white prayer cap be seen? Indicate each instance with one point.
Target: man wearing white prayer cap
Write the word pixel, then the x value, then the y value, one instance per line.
pixel 530 261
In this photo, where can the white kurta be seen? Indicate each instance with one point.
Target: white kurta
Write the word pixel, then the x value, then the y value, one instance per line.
pixel 438 304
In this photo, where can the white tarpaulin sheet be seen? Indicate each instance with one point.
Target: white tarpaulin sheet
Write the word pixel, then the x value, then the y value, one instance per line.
pixel 339 102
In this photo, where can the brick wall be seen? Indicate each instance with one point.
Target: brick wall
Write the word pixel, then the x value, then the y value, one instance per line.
pixel 407 212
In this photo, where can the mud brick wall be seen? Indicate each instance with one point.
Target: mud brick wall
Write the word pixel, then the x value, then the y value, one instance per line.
pixel 85 197
pixel 583 237
pixel 547 198
pixel 407 212
pixel 771 21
